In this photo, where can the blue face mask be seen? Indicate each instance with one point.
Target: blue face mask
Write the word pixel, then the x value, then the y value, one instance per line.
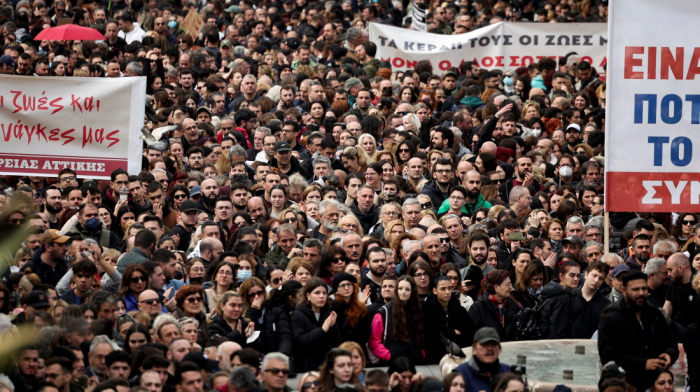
pixel 508 81
pixel 92 224
pixel 172 24
pixel 244 274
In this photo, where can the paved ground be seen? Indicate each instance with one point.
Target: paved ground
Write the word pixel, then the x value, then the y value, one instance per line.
pixel 428 371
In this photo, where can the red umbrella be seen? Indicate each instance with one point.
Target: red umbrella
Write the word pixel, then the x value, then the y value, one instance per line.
pixel 69 32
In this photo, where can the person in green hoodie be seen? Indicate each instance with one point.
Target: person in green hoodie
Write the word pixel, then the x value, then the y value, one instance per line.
pixel 372 64
pixel 474 199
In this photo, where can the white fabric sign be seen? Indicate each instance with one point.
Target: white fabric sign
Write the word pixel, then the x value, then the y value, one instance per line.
pixel 501 45
pixel 653 107
pixel 419 20
pixel 91 125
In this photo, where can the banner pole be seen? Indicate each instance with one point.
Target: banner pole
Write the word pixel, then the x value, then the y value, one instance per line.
pixel 606 229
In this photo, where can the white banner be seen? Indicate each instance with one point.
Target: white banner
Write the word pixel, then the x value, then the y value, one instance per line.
pixel 91 125
pixel 653 107
pixel 420 18
pixel 498 46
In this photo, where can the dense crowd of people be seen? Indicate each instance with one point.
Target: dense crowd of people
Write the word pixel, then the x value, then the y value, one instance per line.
pixel 306 210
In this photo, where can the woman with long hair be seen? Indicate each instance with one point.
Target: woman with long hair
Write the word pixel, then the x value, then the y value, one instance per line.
pixel 177 195
pixel 405 151
pixel 337 371
pixel 420 270
pixel 136 336
pixel 494 308
pixel 275 329
pixel 683 231
pixel 444 317
pixel 398 327
pixel 125 215
pixel 278 198
pixel 353 319
pixel 134 282
pixel 314 326
pixel 528 287
pixel 223 279
pixel 358 358
pixel 556 313
pixel 254 295
pixel 228 321
pixel 519 261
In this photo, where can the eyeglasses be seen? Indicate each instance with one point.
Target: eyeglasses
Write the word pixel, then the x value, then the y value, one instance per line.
pixel 150 301
pixel 345 285
pixel 307 385
pixel 194 299
pixel 255 294
pixel 69 178
pixel 160 24
pixel 136 279
pixel 290 220
pixel 277 371
pixel 427 205
pixel 420 275
pixel 227 273
pixel 198 269
pixel 455 197
pixel 403 150
pixel 403 113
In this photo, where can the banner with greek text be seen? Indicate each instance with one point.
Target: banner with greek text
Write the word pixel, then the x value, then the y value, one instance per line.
pixel 498 46
pixel 91 125
pixel 653 107
pixel 419 20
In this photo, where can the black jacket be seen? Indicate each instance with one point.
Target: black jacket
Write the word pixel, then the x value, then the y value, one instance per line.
pixel 375 289
pixel 311 343
pixel 483 314
pixel 586 314
pixel 524 299
pixel 432 190
pixel 622 339
pixel 275 332
pixel 367 220
pixel 220 327
pixel 360 332
pixel 440 322
pixel 295 168
pixel 556 313
pixel 47 274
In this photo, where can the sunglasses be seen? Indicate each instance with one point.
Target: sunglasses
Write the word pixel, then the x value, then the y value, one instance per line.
pixel 136 279
pixel 689 222
pixel 150 301
pixel 255 294
pixel 290 220
pixel 426 205
pixel 307 385
pixel 180 196
pixel 16 221
pixel 276 281
pixel 403 113
pixel 444 240
pixel 404 150
pixel 277 371
pixel 194 299
pixel 337 260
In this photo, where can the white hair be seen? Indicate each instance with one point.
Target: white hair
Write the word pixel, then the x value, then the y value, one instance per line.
pixel 275 355
pixel 102 339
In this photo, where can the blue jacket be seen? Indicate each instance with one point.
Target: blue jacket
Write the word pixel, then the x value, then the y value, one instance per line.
pixel 474 379
pixel 47 274
pixel 176 284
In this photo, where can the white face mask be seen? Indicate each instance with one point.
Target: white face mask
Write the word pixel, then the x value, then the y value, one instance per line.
pixel 566 172
pixel 536 132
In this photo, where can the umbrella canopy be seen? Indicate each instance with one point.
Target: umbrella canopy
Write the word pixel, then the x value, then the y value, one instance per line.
pixel 69 32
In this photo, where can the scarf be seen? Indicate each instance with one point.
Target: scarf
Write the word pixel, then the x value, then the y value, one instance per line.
pixel 499 307
pixel 534 293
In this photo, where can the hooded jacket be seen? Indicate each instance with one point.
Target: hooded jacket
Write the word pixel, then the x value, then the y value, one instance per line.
pixel 622 339
pixel 467 208
pixel 106 238
pixel 367 220
pixel 273 323
pixel 474 378
pixel 475 102
pixel 295 167
pixel 483 314
pixel 556 313
pixel 439 322
pixel 311 342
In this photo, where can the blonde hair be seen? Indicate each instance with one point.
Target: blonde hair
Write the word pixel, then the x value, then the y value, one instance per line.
pixel 390 226
pixel 370 159
pixel 356 153
pixel 359 230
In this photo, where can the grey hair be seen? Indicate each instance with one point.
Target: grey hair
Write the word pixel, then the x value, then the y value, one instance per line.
pixel 475 227
pixel 410 202
pixel 422 241
pixel 135 68
pixel 392 204
pixel 314 243
pixel 274 93
pixel 573 219
pixel 6 324
pixel 250 76
pixel 593 225
pixel 236 151
pixel 326 203
pixel 238 53
pixel 266 130
pixel 275 355
pixel 619 258
pixel 102 339
pixel 572 60
pixel 388 251
pixel 346 210
pixel 321 159
pixel 243 378
pixel 162 320
pixel 353 33
pixel 296 180
pixel 666 244
pixel 517 191
pixel 286 228
pixel 407 245
pixel 157 170
pixel 592 243
pixel 654 265
pixel 342 240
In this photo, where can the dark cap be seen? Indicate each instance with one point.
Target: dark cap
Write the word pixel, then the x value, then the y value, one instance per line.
pixel 198 358
pixel 196 190
pixel 433 385
pixel 37 299
pixel 292 43
pixel 260 49
pixel 450 73
pixel 215 341
pixel 282 146
pixel 487 334
pixel 340 277
pixel 620 269
pixel 188 205
pixel 7 60
pixel 573 240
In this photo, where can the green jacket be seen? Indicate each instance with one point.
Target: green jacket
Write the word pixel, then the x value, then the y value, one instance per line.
pixel 467 209
pixel 371 68
pixel 278 256
pixel 295 64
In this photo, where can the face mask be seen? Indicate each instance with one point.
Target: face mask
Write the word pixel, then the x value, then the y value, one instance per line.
pixel 508 81
pixel 244 274
pixel 92 224
pixel 172 24
pixel 566 172
pixel 536 132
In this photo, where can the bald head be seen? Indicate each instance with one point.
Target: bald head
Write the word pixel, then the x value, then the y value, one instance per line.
pixel 678 260
pixel 560 103
pixel 489 148
pixel 536 91
pixel 148 294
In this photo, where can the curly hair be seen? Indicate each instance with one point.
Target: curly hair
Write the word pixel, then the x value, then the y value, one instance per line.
pixel 185 291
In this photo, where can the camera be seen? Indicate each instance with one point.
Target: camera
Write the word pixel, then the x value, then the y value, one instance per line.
pixel 518 369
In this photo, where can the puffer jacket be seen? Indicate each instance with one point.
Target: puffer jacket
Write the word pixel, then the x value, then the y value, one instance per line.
pixel 556 313
pixel 311 342
pixel 273 323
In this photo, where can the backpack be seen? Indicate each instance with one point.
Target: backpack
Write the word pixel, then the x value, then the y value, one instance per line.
pixel 528 321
